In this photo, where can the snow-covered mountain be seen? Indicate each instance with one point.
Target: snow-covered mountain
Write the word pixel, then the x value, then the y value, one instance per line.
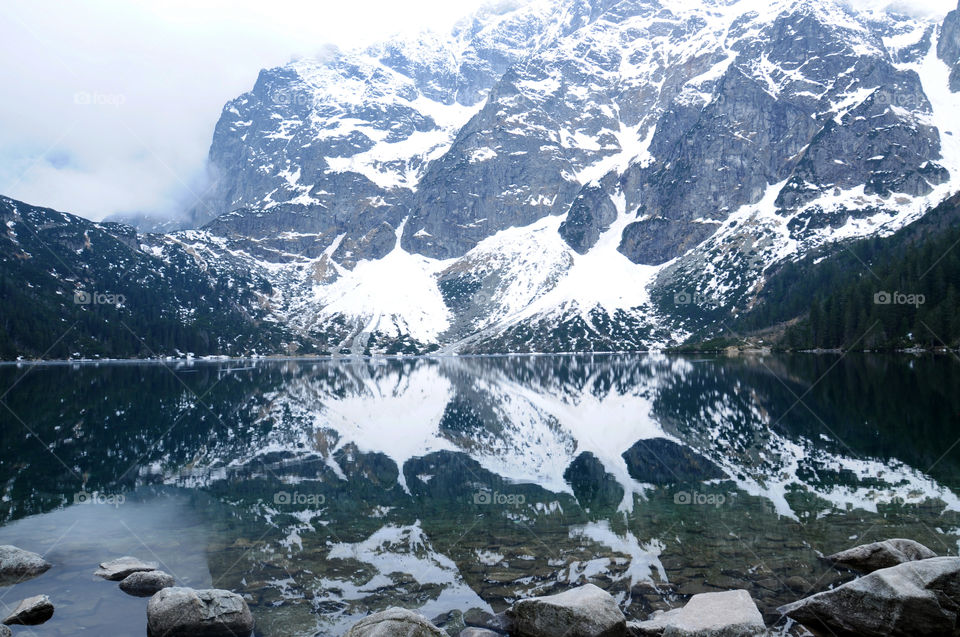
pixel 534 179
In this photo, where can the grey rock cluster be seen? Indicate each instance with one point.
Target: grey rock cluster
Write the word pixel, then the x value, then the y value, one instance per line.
pixel 171 611
pixel 916 595
pixel 119 568
pixel 136 577
pixel 587 611
pixel 17 565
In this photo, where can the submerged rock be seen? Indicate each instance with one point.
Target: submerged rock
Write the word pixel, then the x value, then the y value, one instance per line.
pixel 146 583
pixel 5 632
pixel 913 598
pixel 473 631
pixel 120 568
pixel 477 618
pixel 394 622
pixel 451 622
pixel 185 612
pixel 31 611
pixel 725 614
pixel 867 558
pixel 587 611
pixel 17 564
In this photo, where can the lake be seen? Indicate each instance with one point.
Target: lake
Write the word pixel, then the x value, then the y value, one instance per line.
pixel 326 490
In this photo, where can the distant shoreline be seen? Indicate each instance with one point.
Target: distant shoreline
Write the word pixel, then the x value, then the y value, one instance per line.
pixel 720 353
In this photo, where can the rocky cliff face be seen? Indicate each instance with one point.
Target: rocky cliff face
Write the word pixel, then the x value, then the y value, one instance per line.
pixel 535 178
pixel 948 47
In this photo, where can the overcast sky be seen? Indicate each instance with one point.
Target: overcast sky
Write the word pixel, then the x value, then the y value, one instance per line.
pixel 109 105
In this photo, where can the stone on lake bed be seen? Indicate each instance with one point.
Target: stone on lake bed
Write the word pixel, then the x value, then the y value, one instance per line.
pixel 868 558
pixel 120 568
pixel 185 612
pixel 724 614
pixel 5 632
pixel 473 631
pixel 394 622
pixel 478 618
pixel 18 564
pixel 587 611
pixel 31 611
pixel 146 583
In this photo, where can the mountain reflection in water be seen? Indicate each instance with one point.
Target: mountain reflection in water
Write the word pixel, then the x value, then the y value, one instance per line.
pixel 329 489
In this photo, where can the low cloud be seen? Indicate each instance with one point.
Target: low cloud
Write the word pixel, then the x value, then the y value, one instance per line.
pixel 109 106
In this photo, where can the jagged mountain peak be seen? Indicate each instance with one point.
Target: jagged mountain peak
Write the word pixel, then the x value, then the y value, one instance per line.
pixel 508 167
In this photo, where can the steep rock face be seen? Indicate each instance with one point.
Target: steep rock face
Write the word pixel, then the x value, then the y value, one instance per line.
pixel 493 177
pixel 342 143
pixel 811 98
pixel 948 46
pixel 589 217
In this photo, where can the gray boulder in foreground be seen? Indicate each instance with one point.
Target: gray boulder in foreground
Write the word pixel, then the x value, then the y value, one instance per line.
pixel 395 622
pixel 120 568
pixel 185 612
pixel 915 598
pixel 17 564
pixel 31 611
pixel 146 583
pixel 725 614
pixel 587 611
pixel 5 632
pixel 868 558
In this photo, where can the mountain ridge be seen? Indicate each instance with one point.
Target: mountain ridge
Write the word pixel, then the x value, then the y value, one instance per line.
pixel 536 179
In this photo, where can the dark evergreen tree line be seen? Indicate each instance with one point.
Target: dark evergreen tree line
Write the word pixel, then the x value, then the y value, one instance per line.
pixel 876 293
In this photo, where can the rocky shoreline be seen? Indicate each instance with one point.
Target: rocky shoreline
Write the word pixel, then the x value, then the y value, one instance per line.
pixel 904 589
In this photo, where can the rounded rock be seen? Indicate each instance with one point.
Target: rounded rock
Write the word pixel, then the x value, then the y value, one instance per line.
pixel 31 611
pixel 17 564
pixel 587 611
pixel 185 612
pixel 868 558
pixel 146 583
pixel 394 622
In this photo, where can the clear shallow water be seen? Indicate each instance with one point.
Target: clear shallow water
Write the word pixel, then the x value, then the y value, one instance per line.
pixel 327 490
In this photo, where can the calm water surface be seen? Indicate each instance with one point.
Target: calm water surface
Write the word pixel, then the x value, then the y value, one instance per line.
pixel 326 490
